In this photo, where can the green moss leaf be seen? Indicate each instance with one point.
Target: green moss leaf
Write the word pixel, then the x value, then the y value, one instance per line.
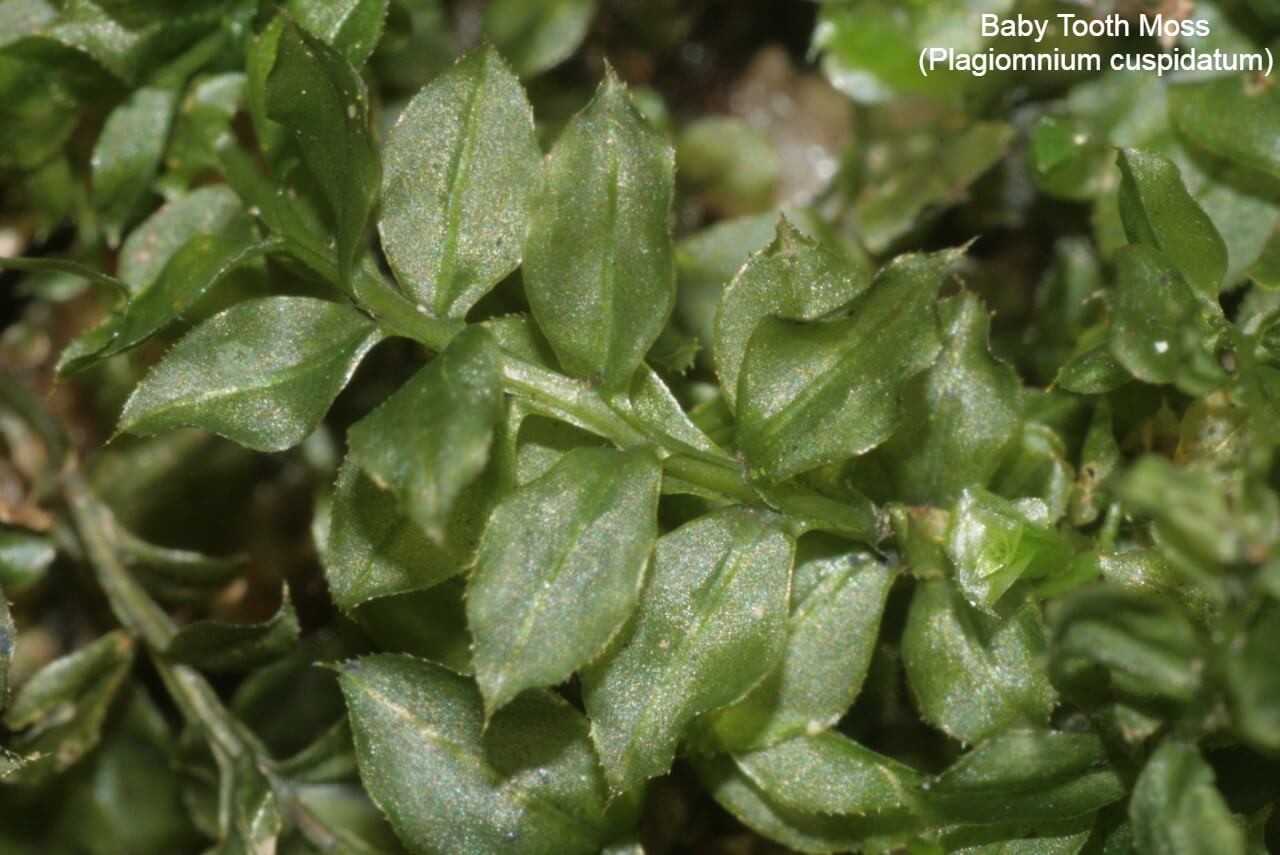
pixel 818 392
pixel 461 163
pixel 959 417
pixel 537 34
pixel 62 708
pixel 1234 117
pixel 793 278
pixel 353 27
pixel 831 774
pixel 375 549
pixel 127 155
pixel 598 257
pixel 1160 332
pixel 431 438
pixel 1027 776
pixel 711 624
pixel 219 646
pixel 837 600
pixel 993 543
pixel 315 93
pixel 1158 211
pixel 1176 808
pixel 448 784
pixel 975 675
pixel 262 373
pixel 560 569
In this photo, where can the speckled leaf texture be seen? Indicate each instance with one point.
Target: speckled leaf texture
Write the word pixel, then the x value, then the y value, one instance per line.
pixel 598 266
pixel 262 373
pixel 431 438
pixel 818 392
pixel 461 165
pixel 710 626
pixel 793 278
pixel 560 569
pixel 837 599
pixel 375 549
pixel 959 417
pixel 527 782
pixel 974 675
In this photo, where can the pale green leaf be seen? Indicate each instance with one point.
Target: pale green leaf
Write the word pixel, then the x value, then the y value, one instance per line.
pixel 537 34
pixel 831 774
pixel 127 155
pixel 1177 810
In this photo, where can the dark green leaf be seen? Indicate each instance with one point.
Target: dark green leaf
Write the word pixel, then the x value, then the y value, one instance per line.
pixel 1177 810
pixel 62 707
pixel 793 278
pixel 375 549
pixel 975 675
pixel 213 645
pixel 711 624
pixel 449 784
pixel 823 391
pixel 598 257
pixel 1027 776
pixel 831 774
pixel 837 598
pixel 262 373
pixel 431 439
pixel 560 569
pixel 1158 211
pixel 959 417
pixel 314 92
pixel 460 168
